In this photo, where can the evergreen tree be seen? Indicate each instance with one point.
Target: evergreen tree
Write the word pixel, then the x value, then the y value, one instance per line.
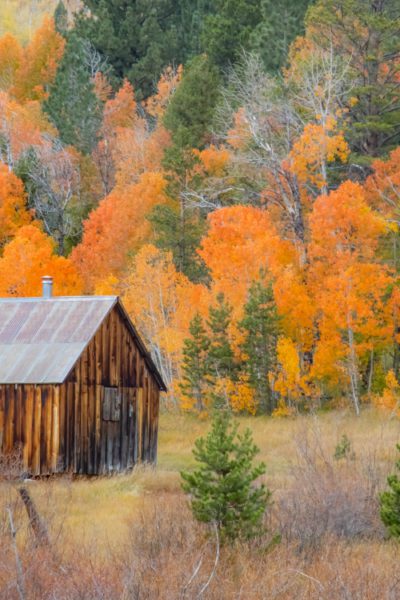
pixel 178 227
pixel 366 35
pixel 259 327
pixel 139 38
pixel 180 231
pixel 190 112
pixel 228 31
pixel 390 504
pixel 222 488
pixel 221 361
pixel 280 24
pixel 61 18
pixel 72 105
pixel 194 363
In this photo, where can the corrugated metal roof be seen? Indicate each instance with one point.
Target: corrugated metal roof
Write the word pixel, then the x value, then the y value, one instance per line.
pixel 41 339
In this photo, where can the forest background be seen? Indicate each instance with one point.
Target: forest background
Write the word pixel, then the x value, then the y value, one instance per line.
pixel 231 169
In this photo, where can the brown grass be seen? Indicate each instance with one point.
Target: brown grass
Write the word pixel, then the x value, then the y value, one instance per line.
pixel 132 536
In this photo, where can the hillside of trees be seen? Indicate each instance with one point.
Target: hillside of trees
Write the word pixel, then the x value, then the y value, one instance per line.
pixel 231 168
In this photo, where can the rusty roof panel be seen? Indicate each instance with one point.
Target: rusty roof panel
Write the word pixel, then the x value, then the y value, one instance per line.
pixel 41 339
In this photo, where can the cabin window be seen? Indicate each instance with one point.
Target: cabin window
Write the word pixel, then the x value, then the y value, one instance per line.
pixel 111 404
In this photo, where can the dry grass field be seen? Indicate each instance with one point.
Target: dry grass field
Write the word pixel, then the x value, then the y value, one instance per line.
pixel 132 536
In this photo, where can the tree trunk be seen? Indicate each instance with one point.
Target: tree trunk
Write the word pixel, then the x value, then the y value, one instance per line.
pixel 353 373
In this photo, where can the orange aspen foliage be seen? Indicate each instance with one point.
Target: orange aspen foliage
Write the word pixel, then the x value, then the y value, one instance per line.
pixel 318 145
pixel 344 229
pixel 241 242
pixel 162 302
pixel 288 380
pixel 239 135
pixel 10 60
pixel 102 88
pixel 39 63
pixel 130 147
pixel 169 81
pixel 136 150
pixel 383 186
pixel 295 306
pixel 348 284
pixel 241 395
pixel 390 398
pixel 13 211
pixel 28 257
pixel 21 126
pixel 117 227
pixel 213 160
pixel 120 111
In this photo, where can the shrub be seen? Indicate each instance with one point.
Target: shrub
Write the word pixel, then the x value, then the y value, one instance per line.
pixel 222 488
pixel 390 504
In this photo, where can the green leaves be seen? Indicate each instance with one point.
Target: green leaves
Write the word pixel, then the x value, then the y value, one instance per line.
pixel 390 504
pixel 222 489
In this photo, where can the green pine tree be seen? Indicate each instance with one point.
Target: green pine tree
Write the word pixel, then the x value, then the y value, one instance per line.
pixel 366 35
pixel 280 24
pixel 140 38
pixel 190 112
pixel 61 18
pixel 194 363
pixel 222 488
pixel 228 31
pixel 180 231
pixel 390 503
pixel 221 360
pixel 72 105
pixel 179 227
pixel 259 327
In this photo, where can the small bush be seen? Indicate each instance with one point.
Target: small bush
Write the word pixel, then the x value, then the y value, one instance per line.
pixel 390 504
pixel 222 488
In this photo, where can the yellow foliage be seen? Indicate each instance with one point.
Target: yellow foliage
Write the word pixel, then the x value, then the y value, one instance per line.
pixel 282 410
pixel 214 159
pixel 391 394
pixel 169 81
pixel 289 381
pixel 318 144
pixel 241 396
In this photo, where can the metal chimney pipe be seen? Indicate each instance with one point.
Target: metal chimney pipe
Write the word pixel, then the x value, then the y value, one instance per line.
pixel 47 286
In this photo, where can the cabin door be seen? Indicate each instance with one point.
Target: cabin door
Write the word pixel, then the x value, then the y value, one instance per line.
pixel 118 427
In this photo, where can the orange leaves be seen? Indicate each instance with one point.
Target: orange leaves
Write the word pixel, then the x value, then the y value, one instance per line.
pixel 118 226
pixel 213 159
pixel 169 81
pixel 121 110
pixel 390 397
pixel 316 146
pixel 241 242
pixel 348 283
pixel 383 186
pixel 39 63
pixel 13 212
pixel 20 127
pixel 11 54
pixel 28 257
pixel 162 302
pixel 289 381
pixel 344 228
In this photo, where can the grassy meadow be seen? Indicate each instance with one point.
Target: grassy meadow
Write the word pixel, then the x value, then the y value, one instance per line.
pixel 132 536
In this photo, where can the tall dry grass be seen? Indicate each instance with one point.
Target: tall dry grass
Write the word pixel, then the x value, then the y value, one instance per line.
pixel 133 536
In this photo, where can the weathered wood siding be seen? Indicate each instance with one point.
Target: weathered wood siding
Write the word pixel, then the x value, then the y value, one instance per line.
pixel 103 418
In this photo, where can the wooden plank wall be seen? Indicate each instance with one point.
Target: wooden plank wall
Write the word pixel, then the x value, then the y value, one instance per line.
pixel 61 427
pixel 30 421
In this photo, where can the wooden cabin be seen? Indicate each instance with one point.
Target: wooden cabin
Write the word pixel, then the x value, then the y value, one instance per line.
pixel 79 392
